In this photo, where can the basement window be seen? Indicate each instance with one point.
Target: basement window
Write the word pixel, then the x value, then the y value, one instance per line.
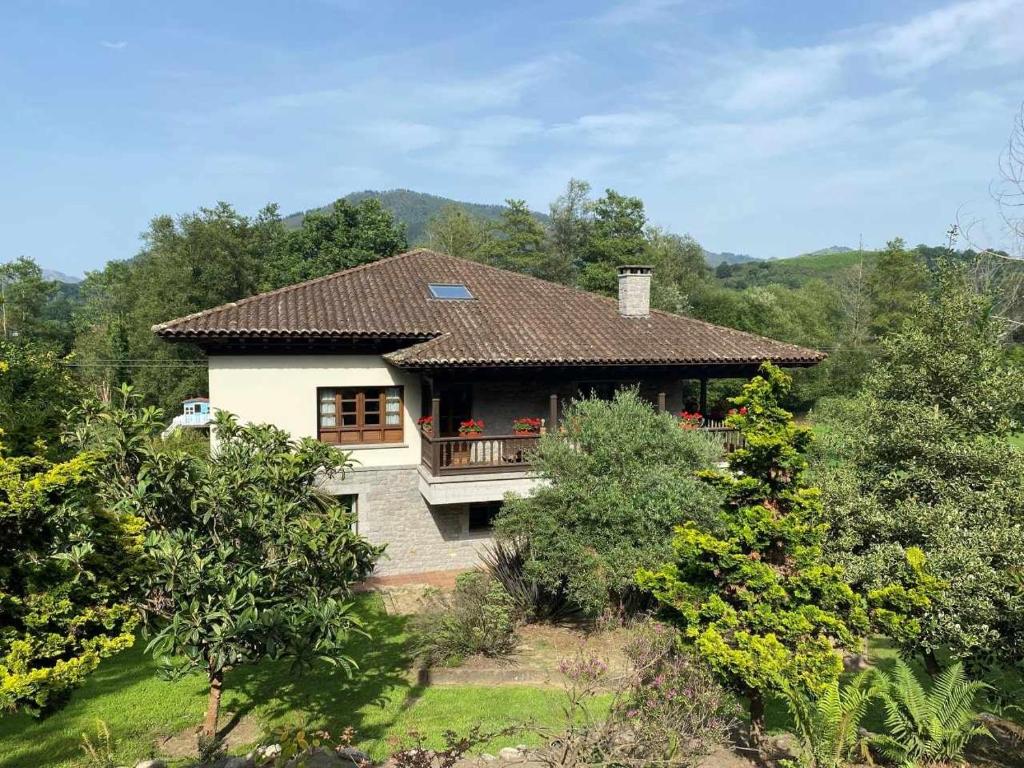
pixel 450 291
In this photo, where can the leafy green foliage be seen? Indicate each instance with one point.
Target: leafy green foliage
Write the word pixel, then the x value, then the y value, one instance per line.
pixel 757 601
pixel 68 568
pixel 36 389
pixel 33 308
pixel 922 462
pixel 247 560
pixel 620 476
pixel 828 725
pixel 478 617
pixel 928 726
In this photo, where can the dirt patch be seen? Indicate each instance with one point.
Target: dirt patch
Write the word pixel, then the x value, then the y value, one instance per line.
pixel 237 733
pixel 536 659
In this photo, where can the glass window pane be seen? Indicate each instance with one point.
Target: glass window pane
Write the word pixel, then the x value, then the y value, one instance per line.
pixel 327 407
pixel 371 419
pixel 450 292
pixel 349 420
pixel 328 421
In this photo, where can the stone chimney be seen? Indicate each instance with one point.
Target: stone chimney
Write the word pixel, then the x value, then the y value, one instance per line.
pixel 635 290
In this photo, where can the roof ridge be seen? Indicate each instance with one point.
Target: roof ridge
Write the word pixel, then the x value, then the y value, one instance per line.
pixel 285 289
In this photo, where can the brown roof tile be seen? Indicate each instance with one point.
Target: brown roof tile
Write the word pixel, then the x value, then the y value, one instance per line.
pixel 512 320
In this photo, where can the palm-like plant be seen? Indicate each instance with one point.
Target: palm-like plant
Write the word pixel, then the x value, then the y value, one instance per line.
pixel 929 725
pixel 828 726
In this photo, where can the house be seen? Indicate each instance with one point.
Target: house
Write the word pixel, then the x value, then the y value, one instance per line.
pixel 389 359
pixel 195 414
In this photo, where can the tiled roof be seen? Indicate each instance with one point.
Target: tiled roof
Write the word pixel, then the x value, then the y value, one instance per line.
pixel 513 319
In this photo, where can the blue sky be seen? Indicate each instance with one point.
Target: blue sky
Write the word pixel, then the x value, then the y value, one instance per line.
pixel 770 128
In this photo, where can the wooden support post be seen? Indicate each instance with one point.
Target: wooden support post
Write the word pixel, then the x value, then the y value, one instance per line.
pixel 553 414
pixel 661 402
pixel 435 432
pixel 704 396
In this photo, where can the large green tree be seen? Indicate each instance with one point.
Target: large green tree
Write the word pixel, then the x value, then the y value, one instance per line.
pixel 895 284
pixel 32 308
pixel 756 600
pixel 922 459
pixel 331 239
pixel 37 387
pixel 616 237
pixel 619 477
pixel 248 559
pixel 459 233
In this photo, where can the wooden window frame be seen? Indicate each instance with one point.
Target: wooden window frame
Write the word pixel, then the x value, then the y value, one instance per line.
pixel 359 432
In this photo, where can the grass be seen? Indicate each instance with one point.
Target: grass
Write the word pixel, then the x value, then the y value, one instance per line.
pixel 381 702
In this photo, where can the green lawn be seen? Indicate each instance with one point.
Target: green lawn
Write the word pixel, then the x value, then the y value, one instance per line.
pixel 380 702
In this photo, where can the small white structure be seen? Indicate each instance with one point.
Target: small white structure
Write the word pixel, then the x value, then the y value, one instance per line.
pixel 195 415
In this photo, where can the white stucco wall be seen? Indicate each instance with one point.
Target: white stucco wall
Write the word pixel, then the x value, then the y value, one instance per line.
pixel 281 390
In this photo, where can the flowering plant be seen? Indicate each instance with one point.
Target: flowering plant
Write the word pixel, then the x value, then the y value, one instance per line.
pixel 471 427
pixel 742 411
pixel 425 423
pixel 525 425
pixel 689 420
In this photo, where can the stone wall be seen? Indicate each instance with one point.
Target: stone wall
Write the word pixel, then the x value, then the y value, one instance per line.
pixel 419 538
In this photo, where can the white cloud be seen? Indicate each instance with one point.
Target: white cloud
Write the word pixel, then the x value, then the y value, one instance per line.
pixel 779 79
pixel 115 45
pixel 980 28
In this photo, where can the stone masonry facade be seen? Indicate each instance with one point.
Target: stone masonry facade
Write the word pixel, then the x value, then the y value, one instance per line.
pixel 420 538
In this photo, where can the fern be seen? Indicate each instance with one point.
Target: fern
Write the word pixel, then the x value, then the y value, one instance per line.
pixel 828 727
pixel 928 725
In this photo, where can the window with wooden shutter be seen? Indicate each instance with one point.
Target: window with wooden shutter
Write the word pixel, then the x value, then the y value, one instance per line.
pixel 357 415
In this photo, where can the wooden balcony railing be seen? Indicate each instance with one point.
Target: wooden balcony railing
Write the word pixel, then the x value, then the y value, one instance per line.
pixel 511 453
pixel 487 453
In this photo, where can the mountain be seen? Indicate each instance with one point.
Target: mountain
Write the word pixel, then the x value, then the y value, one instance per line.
pixel 725 257
pixel 415 209
pixel 60 277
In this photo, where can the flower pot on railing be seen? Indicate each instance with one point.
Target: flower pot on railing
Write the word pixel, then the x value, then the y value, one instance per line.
pixel 524 427
pixel 426 425
pixel 471 428
pixel 688 420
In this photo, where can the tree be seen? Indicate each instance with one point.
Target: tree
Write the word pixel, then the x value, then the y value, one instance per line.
pixel 895 286
pixel 331 239
pixel 36 388
pixel 922 460
pixel 68 567
pixel 620 476
pixel 459 233
pixel 757 601
pixel 249 560
pixel 520 242
pixel 616 238
pixel 679 269
pixel 31 307
pixel 570 226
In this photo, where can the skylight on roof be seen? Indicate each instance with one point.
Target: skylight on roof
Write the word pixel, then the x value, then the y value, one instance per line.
pixel 450 291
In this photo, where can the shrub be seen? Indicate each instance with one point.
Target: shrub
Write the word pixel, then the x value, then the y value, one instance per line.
pixel 933 725
pixel 758 603
pixel 620 477
pixel 666 710
pixel 534 601
pixel 922 459
pixel 477 618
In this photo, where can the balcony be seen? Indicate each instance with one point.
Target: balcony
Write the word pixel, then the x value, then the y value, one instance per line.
pixel 477 455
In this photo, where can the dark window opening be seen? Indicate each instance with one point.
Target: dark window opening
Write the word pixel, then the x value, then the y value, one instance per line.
pixel 481 516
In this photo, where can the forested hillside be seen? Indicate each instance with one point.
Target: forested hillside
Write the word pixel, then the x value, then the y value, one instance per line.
pixel 838 300
pixel 415 210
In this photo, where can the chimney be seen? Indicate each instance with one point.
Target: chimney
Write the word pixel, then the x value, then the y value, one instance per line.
pixel 635 290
